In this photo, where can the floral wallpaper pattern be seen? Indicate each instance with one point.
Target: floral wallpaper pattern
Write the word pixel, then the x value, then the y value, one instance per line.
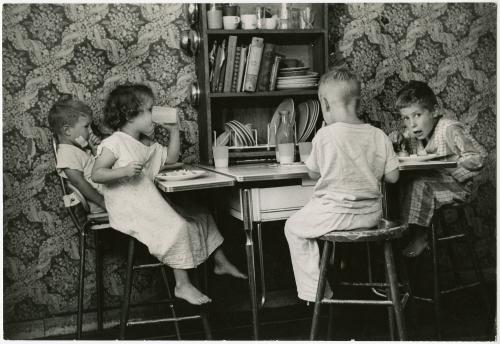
pixel 87 49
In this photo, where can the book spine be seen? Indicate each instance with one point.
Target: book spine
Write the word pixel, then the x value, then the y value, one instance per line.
pixel 253 64
pixel 217 69
pixel 274 73
pixel 220 82
pixel 237 58
pixel 231 51
pixel 265 67
pixel 241 71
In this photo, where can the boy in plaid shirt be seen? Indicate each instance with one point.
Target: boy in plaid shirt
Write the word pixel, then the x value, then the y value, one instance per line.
pixel 424 192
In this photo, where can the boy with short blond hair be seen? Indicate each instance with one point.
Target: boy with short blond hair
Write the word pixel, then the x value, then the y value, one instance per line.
pixel 349 158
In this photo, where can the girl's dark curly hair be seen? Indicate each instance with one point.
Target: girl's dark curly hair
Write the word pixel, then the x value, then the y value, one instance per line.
pixel 124 103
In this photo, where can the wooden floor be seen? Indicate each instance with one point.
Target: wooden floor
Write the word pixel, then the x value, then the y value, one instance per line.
pixel 464 320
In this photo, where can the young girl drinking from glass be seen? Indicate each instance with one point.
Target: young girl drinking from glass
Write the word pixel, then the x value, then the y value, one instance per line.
pixel 126 164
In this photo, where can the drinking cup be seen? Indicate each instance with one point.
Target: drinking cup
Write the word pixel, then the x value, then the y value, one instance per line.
pixel 214 18
pixel 286 152
pixel 231 22
pixel 230 10
pixel 272 23
pixel 260 12
pixel 304 150
pixel 221 156
pixel 164 115
pixel 248 21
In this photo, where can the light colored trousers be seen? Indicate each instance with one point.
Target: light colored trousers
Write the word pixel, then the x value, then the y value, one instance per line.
pixel 301 231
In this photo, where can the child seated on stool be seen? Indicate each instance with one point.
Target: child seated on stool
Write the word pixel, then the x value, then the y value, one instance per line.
pixel 425 192
pixel 69 120
pixel 127 162
pixel 349 158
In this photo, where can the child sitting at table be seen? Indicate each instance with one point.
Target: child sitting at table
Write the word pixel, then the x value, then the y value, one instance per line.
pixel 69 120
pixel 425 192
pixel 349 158
pixel 127 163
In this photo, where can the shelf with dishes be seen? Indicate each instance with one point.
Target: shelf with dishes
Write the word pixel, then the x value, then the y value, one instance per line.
pixel 280 93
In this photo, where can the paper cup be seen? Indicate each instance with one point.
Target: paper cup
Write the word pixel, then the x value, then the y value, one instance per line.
pixel 221 156
pixel 304 150
pixel 164 115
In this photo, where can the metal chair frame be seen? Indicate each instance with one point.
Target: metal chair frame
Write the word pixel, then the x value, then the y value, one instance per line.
pixel 385 233
pixel 94 222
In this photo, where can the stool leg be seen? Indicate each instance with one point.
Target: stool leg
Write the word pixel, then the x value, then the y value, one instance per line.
pixel 435 275
pixel 393 282
pixel 98 280
pixel 128 288
pixel 334 261
pixel 171 305
pixel 329 246
pixel 390 313
pixel 81 286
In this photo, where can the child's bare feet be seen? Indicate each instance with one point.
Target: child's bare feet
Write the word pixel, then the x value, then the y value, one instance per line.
pixel 417 245
pixel 222 266
pixel 192 295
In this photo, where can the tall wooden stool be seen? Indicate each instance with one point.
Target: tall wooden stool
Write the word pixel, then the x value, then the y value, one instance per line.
pixel 384 233
pixel 440 235
pixel 170 300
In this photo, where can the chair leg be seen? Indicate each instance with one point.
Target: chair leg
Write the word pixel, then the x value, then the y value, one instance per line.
pixel 390 313
pixel 128 288
pixel 99 281
pixel 435 276
pixel 81 286
pixel 393 282
pixel 171 305
pixel 329 246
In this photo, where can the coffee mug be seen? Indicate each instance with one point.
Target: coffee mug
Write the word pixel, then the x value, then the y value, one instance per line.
pixel 164 115
pixel 214 18
pixel 248 21
pixel 231 22
pixel 230 10
pixel 271 23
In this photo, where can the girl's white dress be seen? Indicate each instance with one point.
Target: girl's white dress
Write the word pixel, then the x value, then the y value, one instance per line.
pixel 181 238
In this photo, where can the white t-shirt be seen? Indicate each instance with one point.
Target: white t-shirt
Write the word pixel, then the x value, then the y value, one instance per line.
pixel 351 159
pixel 69 156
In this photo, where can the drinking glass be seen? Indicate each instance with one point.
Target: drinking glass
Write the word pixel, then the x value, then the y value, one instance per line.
pixel 294 18
pixel 261 17
pixel 284 14
pixel 306 18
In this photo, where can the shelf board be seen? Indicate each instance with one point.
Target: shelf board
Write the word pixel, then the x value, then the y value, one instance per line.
pixel 297 92
pixel 266 32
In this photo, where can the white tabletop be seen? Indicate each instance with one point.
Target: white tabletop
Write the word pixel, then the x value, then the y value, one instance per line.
pixel 207 181
pixel 261 172
pixel 426 165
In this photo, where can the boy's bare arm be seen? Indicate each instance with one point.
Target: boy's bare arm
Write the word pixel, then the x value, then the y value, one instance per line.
pixel 174 145
pixel 103 173
pixel 313 175
pixel 76 178
pixel 392 177
pixel 470 153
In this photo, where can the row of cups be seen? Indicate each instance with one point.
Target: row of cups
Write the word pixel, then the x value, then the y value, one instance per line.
pixel 232 21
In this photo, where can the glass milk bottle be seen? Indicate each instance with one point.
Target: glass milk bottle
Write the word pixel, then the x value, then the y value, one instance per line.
pixel 285 139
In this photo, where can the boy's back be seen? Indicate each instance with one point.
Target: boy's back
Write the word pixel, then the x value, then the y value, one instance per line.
pixel 351 159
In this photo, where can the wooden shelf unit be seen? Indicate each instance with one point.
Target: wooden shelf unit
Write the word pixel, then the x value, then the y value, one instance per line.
pixel 257 108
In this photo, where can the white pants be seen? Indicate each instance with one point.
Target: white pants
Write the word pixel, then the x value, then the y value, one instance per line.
pixel 301 231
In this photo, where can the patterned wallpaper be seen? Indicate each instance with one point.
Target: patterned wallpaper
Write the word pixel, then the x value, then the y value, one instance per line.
pixel 88 49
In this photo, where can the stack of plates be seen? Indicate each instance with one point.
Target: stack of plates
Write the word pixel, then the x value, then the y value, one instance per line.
pixel 242 134
pixel 306 118
pixel 296 77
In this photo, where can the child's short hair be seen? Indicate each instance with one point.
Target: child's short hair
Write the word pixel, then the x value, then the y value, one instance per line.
pixel 124 103
pixel 351 84
pixel 416 92
pixel 67 111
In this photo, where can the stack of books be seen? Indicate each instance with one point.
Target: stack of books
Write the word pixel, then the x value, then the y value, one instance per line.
pixel 243 68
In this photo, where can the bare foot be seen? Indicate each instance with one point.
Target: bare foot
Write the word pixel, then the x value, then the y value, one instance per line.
pixel 192 295
pixel 416 246
pixel 227 268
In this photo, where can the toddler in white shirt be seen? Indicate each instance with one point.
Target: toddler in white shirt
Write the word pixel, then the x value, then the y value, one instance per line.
pixel 349 158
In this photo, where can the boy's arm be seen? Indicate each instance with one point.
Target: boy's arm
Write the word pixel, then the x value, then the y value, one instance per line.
pixel 391 170
pixel 392 176
pixel 313 175
pixel 470 153
pixel 174 144
pixel 76 178
pixel 103 173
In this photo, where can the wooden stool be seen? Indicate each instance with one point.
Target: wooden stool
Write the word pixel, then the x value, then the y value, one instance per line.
pixel 462 233
pixel 124 321
pixel 385 232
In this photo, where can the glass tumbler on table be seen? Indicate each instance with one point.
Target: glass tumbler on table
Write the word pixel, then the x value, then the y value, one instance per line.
pixel 306 18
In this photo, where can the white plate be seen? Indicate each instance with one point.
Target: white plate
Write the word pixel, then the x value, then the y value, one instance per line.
pixel 293 69
pixel 301 119
pixel 305 76
pixel 418 157
pixel 180 175
pixel 294 86
pixel 300 81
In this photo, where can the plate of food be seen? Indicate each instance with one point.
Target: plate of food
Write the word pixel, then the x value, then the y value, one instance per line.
pixel 415 157
pixel 180 175
pixel 174 166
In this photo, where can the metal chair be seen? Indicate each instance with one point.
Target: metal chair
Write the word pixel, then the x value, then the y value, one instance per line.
pixel 385 233
pixel 440 235
pixel 87 222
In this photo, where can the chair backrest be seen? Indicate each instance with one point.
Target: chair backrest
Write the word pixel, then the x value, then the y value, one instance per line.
pixel 71 195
